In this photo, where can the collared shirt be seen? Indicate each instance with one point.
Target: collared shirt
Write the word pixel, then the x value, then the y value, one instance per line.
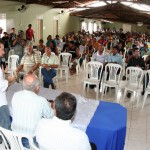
pixel 100 58
pixel 30 60
pixel 115 58
pixel 27 109
pixel 52 59
pixel 3 87
pixel 57 134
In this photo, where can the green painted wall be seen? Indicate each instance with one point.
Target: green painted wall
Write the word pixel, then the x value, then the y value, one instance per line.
pixel 66 23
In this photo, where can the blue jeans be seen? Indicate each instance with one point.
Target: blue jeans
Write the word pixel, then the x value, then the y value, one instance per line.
pixel 25 142
pixel 48 75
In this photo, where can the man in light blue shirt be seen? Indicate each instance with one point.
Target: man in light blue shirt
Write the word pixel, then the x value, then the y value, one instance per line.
pixel 115 57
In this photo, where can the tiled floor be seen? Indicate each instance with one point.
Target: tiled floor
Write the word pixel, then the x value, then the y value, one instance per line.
pixel 138 123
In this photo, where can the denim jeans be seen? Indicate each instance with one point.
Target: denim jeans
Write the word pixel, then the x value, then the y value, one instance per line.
pixel 48 75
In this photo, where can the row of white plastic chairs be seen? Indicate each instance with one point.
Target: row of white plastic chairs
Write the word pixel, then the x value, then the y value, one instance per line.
pixel 110 76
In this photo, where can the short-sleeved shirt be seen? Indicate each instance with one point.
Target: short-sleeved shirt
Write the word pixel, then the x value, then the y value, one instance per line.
pixel 30 60
pixel 52 59
pixel 115 58
pixel 30 34
pixel 100 58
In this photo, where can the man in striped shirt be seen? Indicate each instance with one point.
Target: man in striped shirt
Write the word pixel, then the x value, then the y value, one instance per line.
pixel 30 62
pixel 28 107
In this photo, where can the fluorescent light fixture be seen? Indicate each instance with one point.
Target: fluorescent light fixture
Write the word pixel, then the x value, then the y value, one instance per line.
pixel 97 4
pixel 111 2
pixel 77 9
pixel 142 7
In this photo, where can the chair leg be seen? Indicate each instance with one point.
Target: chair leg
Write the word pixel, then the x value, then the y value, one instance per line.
pixel 144 98
pixel 97 91
pixel 103 89
pixel 67 74
pixel 77 69
pixel 125 93
pixel 137 97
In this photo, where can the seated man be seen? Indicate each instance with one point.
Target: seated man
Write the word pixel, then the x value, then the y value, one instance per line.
pixel 49 62
pixel 115 57
pixel 28 108
pixel 99 56
pixel 57 133
pixel 136 61
pixel 30 62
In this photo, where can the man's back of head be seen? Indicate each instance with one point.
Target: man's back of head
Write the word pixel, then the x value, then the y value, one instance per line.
pixel 65 106
pixel 31 83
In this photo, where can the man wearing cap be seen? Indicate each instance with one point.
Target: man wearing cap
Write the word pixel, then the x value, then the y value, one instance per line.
pixel 30 34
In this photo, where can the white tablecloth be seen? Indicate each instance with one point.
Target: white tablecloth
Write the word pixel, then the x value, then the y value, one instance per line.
pixel 85 107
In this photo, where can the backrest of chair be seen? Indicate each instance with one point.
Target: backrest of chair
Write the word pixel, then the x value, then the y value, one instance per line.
pixel 113 72
pixel 11 52
pixel 13 62
pixel 38 52
pixel 144 57
pixel 65 59
pixel 12 139
pixel 134 76
pixel 94 70
pixel 147 76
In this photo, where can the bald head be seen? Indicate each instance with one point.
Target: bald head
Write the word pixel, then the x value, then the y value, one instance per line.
pixel 31 83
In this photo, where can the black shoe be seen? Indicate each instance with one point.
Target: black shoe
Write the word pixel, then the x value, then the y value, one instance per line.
pixel 143 92
pixel 53 86
pixel 129 95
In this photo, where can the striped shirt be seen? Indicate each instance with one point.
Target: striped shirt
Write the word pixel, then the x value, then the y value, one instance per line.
pixel 27 109
pixel 30 60
pixel 57 134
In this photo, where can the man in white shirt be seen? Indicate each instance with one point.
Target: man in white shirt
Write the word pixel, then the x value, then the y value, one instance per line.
pixel 99 56
pixel 57 133
pixel 4 111
pixel 28 107
pixel 49 62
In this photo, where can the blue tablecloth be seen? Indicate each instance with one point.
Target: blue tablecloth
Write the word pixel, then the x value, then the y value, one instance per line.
pixel 107 128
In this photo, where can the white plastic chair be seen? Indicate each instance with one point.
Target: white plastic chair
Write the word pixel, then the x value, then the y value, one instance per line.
pixel 65 61
pixel 92 75
pixel 112 77
pixel 38 52
pixel 12 140
pixel 144 57
pixel 11 52
pixel 12 63
pixel 147 90
pixel 134 76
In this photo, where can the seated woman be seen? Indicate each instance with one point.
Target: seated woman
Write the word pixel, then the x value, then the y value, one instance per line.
pixel 41 47
pixel 49 62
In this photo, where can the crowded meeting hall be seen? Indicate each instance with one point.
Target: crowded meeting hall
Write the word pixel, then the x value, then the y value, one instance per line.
pixel 74 75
